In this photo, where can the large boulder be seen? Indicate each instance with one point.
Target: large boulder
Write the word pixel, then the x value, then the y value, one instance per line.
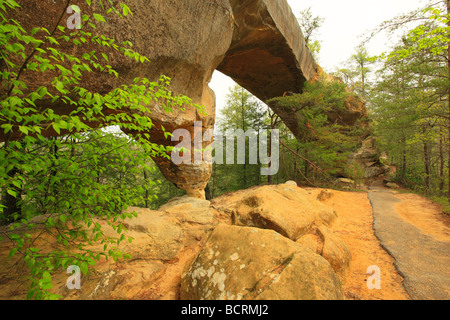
pixel 190 209
pixel 285 208
pixel 254 264
pixel 326 243
pixel 354 112
pixel 294 213
pixel 367 162
pixel 346 183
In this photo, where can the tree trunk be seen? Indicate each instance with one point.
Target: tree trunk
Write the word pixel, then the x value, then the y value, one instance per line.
pixel 306 165
pixel 208 192
pixel 363 79
pixel 427 168
pixel 295 162
pixel 441 163
pixel 403 173
pixel 11 203
pixel 426 154
pixel 448 92
pixel 146 191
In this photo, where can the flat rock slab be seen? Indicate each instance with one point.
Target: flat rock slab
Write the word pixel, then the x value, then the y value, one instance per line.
pixel 421 259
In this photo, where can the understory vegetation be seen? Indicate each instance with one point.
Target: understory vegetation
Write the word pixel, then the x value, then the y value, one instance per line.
pixel 410 101
pixel 56 187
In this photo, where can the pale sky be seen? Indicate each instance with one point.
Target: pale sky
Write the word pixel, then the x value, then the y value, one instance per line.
pixel 345 22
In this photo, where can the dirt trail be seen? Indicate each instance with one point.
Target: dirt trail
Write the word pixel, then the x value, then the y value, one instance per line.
pixel 355 227
pixel 424 214
pixel 412 230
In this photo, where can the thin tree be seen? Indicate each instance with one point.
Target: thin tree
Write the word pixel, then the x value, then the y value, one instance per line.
pixel 310 26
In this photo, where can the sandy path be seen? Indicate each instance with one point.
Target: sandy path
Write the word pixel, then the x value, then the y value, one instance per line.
pixel 424 214
pixel 355 227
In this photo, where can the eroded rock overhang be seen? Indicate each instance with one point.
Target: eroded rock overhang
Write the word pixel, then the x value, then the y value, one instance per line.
pixel 268 54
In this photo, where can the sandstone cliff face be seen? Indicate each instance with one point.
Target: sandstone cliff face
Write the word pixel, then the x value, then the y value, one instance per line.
pixel 195 249
pixel 257 42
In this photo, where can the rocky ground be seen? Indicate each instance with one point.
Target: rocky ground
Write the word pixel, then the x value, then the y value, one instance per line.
pixel 269 242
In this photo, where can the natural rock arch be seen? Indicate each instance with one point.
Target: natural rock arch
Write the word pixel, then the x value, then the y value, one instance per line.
pixel 258 43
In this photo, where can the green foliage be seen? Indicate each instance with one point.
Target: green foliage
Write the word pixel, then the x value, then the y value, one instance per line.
pixel 324 145
pixel 431 35
pixel 310 26
pixel 243 111
pixel 318 98
pixel 59 187
pixel 355 72
pixel 162 191
pixel 410 103
pixel 444 202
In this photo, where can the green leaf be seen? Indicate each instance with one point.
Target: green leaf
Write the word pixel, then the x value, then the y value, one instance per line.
pixel 84 267
pixel 46 285
pixel 56 127
pixel 31 294
pixel 46 276
pixel 7 127
pixel 12 193
pixel 17 184
pixel 99 17
pixel 35 30
pixel 12 252
pixel 23 129
pixel 126 10
pixel 59 86
pixel 52 40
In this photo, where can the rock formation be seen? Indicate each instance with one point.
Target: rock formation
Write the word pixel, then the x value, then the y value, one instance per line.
pixel 196 249
pixel 268 55
pixel 276 209
pixel 253 264
pixel 294 214
pixel 256 42
pixel 367 163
